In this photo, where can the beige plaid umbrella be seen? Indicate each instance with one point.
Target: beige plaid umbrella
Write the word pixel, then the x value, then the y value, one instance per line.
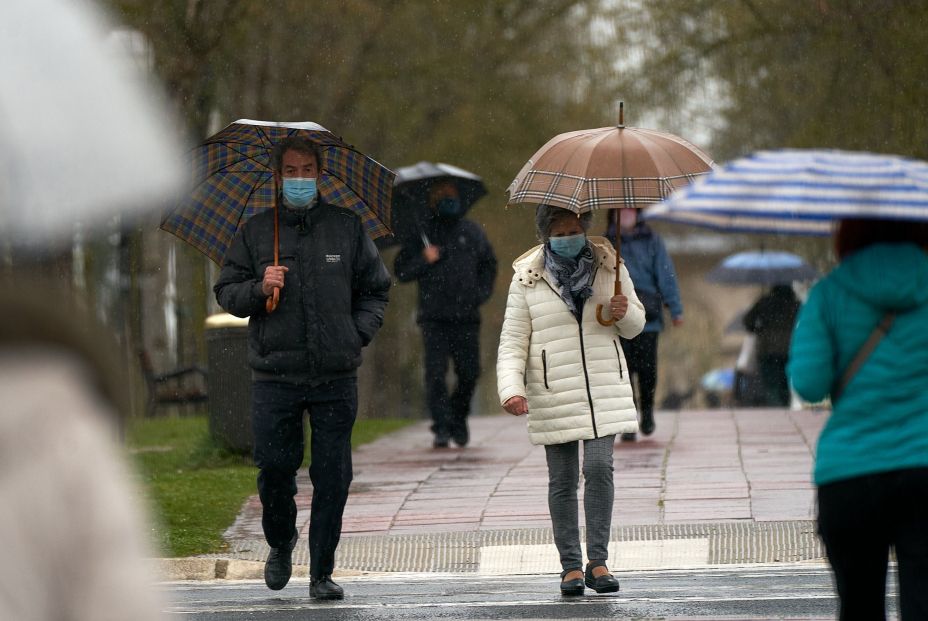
pixel 608 168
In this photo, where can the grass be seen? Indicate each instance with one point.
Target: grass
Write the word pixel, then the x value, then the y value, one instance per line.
pixel 194 488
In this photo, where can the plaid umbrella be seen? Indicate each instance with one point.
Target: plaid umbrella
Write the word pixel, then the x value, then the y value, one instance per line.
pixel 801 191
pixel 233 181
pixel 608 168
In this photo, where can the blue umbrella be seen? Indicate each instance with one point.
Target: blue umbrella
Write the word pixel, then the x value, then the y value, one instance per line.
pixel 762 268
pixel 718 380
pixel 800 191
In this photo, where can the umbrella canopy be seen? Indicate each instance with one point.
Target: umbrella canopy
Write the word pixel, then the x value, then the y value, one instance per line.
pixel 718 380
pixel 411 194
pixel 801 191
pixel 83 136
pixel 608 168
pixel 233 180
pixel 762 268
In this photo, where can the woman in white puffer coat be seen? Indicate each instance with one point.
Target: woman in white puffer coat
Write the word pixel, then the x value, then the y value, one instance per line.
pixel 566 371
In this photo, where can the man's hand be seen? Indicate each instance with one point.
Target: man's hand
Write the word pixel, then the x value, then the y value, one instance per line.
pixel 517 406
pixel 618 306
pixel 273 277
pixel 431 254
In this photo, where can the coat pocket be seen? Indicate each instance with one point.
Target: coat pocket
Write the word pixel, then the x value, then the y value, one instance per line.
pixel 618 356
pixel 544 367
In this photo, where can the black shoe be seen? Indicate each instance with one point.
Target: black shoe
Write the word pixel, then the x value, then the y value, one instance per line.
pixel 606 583
pixel 279 566
pixel 647 423
pixel 324 588
pixel 440 442
pixel 571 588
pixel 461 435
pixel 629 437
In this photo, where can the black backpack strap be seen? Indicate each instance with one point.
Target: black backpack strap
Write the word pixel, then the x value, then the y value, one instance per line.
pixel 863 353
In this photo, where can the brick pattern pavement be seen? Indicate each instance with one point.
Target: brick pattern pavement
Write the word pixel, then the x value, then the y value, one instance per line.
pixel 710 465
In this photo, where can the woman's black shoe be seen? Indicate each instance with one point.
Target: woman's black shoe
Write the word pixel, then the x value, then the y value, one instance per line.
pixel 606 583
pixel 324 588
pixel 571 588
pixel 647 423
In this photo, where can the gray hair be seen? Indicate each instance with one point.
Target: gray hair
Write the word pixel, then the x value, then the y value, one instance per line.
pixel 546 215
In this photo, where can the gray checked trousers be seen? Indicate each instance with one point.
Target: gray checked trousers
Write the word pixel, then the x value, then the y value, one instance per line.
pixel 598 494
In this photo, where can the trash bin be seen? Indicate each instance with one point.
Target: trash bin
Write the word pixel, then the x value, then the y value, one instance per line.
pixel 229 382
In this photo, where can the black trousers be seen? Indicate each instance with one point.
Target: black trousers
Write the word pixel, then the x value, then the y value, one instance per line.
pixel 461 345
pixel 277 422
pixel 641 356
pixel 859 520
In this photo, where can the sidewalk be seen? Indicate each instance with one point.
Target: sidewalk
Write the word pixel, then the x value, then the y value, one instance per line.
pixel 712 486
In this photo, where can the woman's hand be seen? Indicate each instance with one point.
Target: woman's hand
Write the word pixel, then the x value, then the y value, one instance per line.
pixel 517 406
pixel 618 306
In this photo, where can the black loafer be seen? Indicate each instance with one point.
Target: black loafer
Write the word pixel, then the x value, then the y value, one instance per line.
pixel 324 588
pixel 571 588
pixel 278 567
pixel 606 583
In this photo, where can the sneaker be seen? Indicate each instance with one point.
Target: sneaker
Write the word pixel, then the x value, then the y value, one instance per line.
pixel 629 437
pixel 324 588
pixel 279 565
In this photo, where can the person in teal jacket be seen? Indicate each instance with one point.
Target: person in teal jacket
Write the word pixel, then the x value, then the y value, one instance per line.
pixel 871 465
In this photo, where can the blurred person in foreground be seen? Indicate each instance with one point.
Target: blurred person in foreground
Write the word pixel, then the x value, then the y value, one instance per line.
pixel 860 338
pixel 455 271
pixel 771 320
pixel 652 271
pixel 565 370
pixel 72 534
pixel 305 354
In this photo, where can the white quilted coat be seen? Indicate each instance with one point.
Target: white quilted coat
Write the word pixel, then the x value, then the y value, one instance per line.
pixel 575 380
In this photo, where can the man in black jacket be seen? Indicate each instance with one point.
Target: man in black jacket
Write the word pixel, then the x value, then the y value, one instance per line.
pixel 304 355
pixel 456 270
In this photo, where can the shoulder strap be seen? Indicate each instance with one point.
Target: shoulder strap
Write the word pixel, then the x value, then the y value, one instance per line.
pixel 863 353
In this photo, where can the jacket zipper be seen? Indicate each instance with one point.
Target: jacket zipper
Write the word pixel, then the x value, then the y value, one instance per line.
pixel 544 366
pixel 586 373
pixel 619 358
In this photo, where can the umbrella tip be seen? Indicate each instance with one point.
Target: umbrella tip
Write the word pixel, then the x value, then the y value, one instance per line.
pixel 621 114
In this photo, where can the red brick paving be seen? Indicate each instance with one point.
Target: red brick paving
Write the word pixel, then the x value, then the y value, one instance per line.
pixel 711 465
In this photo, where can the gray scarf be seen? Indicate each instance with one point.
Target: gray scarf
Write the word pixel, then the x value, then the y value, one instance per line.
pixel 574 277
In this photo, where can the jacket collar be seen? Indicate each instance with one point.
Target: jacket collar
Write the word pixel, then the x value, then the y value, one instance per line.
pixel 530 267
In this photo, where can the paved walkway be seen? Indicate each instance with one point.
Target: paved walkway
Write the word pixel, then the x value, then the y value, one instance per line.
pixel 699 466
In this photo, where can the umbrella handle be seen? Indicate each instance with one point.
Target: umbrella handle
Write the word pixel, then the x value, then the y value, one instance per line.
pixel 272 300
pixel 607 320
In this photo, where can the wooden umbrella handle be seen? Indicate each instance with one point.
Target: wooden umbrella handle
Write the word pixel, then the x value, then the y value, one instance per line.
pixel 273 300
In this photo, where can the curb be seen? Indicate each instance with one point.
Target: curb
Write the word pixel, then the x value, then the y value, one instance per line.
pixel 201 569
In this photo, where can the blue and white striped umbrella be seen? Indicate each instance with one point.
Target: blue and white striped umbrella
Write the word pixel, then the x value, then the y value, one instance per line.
pixel 801 191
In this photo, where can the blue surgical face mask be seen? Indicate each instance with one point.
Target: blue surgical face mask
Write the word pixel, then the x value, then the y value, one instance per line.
pixel 299 191
pixel 448 207
pixel 568 246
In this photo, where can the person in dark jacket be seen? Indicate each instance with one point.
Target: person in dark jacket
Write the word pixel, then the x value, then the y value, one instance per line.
pixel 455 270
pixel 771 319
pixel 304 355
pixel 655 279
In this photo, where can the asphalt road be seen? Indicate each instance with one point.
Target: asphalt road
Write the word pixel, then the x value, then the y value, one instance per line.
pixel 797 591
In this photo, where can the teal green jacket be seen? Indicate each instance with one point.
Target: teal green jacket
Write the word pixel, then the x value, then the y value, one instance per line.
pixel 880 423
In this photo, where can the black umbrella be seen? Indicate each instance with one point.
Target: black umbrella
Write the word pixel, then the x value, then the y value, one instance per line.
pixel 411 195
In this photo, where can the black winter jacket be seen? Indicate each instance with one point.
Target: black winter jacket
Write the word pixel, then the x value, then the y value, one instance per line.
pixel 332 301
pixel 453 288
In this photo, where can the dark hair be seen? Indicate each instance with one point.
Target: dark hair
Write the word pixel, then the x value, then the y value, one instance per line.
pixel 546 215
pixel 293 143
pixel 855 234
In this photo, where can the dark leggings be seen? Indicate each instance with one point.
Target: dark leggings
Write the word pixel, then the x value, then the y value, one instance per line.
pixel 859 520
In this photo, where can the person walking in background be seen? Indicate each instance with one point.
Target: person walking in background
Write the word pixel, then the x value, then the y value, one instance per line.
pixel 455 270
pixel 304 355
pixel 860 338
pixel 655 279
pixel 771 320
pixel 560 366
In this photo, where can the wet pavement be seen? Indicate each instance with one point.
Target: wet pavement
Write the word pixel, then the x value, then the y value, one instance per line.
pixel 712 486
